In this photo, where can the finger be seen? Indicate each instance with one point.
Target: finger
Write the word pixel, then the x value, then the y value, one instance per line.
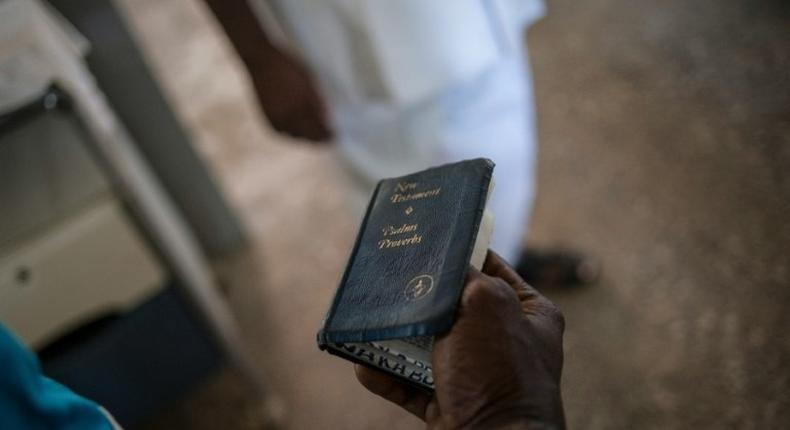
pixel 292 123
pixel 287 126
pixel 312 117
pixel 323 122
pixel 309 125
pixel 316 131
pixel 496 266
pixel 411 398
pixel 302 127
pixel 325 134
pixel 532 300
pixel 480 287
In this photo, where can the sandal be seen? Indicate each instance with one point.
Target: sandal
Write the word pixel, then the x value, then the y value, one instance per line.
pixel 557 268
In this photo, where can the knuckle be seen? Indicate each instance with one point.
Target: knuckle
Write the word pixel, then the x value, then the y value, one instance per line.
pixel 555 315
pixel 475 288
pixel 487 290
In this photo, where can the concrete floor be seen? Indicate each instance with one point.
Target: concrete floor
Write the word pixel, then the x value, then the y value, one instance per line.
pixel 665 151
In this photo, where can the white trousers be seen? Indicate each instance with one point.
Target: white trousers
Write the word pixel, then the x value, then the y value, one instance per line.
pixel 490 116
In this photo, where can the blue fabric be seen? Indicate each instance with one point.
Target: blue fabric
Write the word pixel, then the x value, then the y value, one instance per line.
pixel 31 401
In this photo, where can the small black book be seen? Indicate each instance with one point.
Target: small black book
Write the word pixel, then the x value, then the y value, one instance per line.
pixel 406 272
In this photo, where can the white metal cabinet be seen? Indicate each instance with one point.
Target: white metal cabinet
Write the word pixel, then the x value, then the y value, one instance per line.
pixel 85 266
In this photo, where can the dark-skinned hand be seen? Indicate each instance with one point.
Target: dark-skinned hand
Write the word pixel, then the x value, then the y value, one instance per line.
pixel 498 367
pixel 288 96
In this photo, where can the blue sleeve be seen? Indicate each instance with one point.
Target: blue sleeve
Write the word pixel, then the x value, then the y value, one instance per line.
pixel 31 401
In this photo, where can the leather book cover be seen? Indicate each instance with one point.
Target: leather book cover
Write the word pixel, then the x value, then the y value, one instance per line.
pixel 407 268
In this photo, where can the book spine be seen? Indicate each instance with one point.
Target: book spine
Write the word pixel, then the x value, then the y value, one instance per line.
pixel 321 336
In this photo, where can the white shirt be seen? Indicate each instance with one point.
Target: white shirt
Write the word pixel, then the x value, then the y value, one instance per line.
pixel 415 83
pixel 397 51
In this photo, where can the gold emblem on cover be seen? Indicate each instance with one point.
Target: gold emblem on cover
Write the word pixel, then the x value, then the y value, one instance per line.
pixel 419 287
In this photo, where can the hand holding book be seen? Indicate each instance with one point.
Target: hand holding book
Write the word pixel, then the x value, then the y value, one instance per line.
pixel 457 346
pixel 499 366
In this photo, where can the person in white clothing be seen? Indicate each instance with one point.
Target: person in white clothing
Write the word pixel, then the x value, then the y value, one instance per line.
pixel 404 85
